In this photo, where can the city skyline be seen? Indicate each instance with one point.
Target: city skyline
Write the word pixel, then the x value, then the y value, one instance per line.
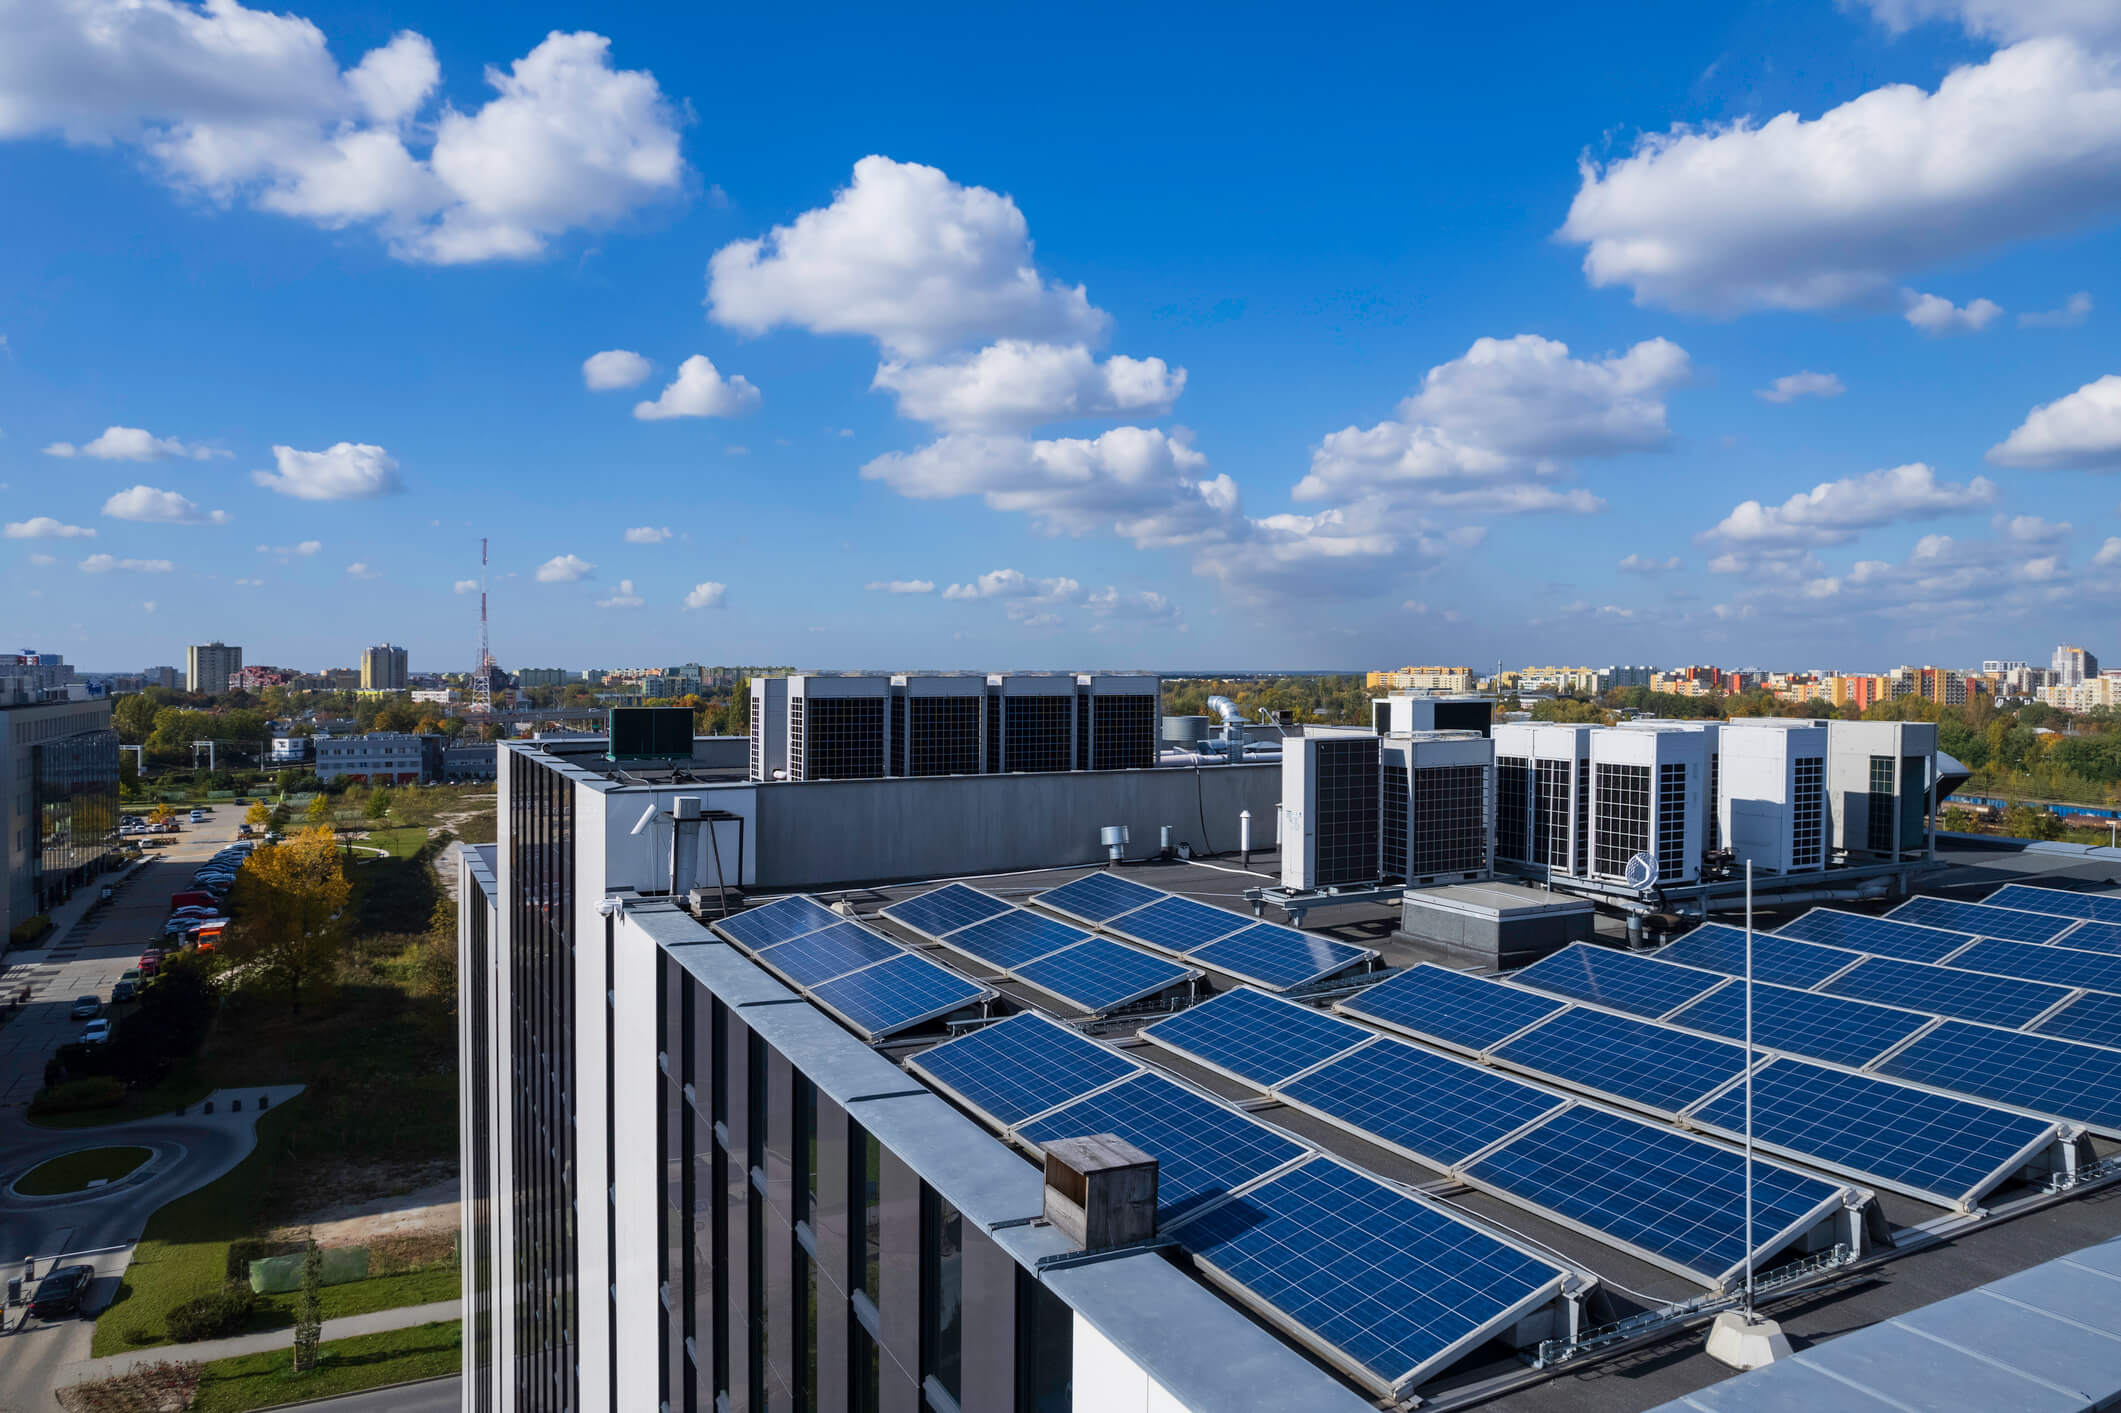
pixel 1467 355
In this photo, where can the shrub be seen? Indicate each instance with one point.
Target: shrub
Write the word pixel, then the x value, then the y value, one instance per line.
pixel 415 1251
pixel 97 1092
pixel 29 930
pixel 150 1388
pixel 226 1312
pixel 244 1250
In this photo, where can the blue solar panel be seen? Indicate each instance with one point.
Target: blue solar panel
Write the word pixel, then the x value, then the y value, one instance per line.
pixel 1100 974
pixel 1014 938
pixel 2092 937
pixel 1981 919
pixel 945 909
pixel 828 952
pixel 1776 958
pixel 2061 964
pixel 1022 1066
pixel 1099 897
pixel 2094 1017
pixel 1906 938
pixel 898 993
pixel 2070 1081
pixel 1947 991
pixel 1202 1148
pixel 1394 1282
pixel 1932 1144
pixel 1179 924
pixel 1261 1039
pixel 1622 981
pixel 2062 902
pixel 1651 1065
pixel 1804 1022
pixel 1439 1109
pixel 777 921
pixel 1678 1199
pixel 1450 1007
pixel 1277 957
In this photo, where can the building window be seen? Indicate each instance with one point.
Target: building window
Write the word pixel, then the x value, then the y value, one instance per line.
pixel 1045 1348
pixel 866 1225
pixel 942 1295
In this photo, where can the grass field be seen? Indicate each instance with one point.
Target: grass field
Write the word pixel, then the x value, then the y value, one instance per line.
pixel 72 1172
pixel 399 843
pixel 181 1088
pixel 347 1366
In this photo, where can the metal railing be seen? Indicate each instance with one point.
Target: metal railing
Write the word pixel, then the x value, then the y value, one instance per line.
pixel 1553 1352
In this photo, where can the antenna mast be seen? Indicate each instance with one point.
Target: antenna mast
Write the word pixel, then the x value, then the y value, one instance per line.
pixel 482 679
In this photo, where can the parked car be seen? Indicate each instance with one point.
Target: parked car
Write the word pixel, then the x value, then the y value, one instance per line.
pixel 198 816
pixel 96 1032
pixel 124 991
pixel 61 1292
pixel 151 962
pixel 86 1006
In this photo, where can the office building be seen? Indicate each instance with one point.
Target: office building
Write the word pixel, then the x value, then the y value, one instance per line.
pixel 58 793
pixel 383 668
pixel 381 758
pixel 2072 666
pixel 1423 679
pixel 208 666
pixel 1638 675
pixel 256 678
pixel 42 671
pixel 167 678
pixel 542 676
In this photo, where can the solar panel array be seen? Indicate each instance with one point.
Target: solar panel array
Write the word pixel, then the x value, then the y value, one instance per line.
pixel 863 977
pixel 1806 1023
pixel 2059 965
pixel 1982 919
pixel 1947 991
pixel 1620 980
pixel 1263 953
pixel 1020 1068
pixel 2098 907
pixel 1908 939
pixel 1718 946
pixel 1449 1007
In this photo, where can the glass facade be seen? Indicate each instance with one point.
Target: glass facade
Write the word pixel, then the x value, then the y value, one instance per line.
pixel 476 964
pixel 74 791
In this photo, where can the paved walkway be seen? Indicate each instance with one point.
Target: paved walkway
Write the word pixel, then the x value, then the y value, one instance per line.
pixel 346 1326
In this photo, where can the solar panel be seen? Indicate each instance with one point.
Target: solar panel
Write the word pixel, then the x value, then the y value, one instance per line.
pixel 777 921
pixel 828 952
pixel 2061 964
pixel 1659 1068
pixel 1927 1145
pixel 946 909
pixel 1906 938
pixel 1947 991
pixel 2047 1076
pixel 2062 902
pixel 1622 981
pixel 1778 958
pixel 1099 897
pixel 1450 1007
pixel 898 993
pixel 1253 1037
pixel 1014 938
pixel 2092 937
pixel 1438 1109
pixel 1981 919
pixel 1099 975
pixel 1020 1067
pixel 1278 957
pixel 1179 924
pixel 2094 1017
pixel 1803 1022
pixel 1202 1148
pixel 1678 1200
pixel 1394 1283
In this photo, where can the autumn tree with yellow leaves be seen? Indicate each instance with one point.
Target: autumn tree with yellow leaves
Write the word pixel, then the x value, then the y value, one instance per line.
pixel 290 907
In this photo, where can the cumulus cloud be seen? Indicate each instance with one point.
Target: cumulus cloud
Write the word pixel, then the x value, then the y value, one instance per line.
pixel 163 507
pixel 127 443
pixel 614 368
pixel 1141 608
pixel 624 598
pixel 304 549
pixel 466 586
pixel 43 561
pixel 107 564
pixel 699 390
pixel 2006 20
pixel 1643 564
pixel 1025 600
pixel 44 527
pixel 2082 430
pixel 907 257
pixel 2073 312
pixel 1834 512
pixel 564 569
pixel 707 595
pixel 343 471
pixel 1940 318
pixel 1791 386
pixel 359 569
pixel 2109 553
pixel 2030 529
pixel 1945 585
pixel 900 586
pixel 1015 385
pixel 647 534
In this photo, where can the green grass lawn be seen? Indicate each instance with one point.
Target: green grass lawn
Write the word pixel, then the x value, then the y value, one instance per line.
pixel 181 1088
pixel 347 1366
pixel 400 843
pixel 72 1172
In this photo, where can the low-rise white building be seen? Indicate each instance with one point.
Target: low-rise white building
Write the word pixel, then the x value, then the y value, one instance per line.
pixel 382 757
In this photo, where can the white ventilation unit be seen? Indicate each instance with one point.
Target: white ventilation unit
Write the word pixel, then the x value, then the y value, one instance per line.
pixel 1437 807
pixel 1329 810
pixel 1647 797
pixel 1877 786
pixel 1773 803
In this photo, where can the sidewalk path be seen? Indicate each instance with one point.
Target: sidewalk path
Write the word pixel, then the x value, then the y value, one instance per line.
pixel 404 1317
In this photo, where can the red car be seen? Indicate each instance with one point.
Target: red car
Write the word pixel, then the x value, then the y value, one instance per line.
pixel 151 961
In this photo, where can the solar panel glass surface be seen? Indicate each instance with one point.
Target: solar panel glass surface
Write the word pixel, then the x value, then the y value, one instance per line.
pixel 1278 957
pixel 1931 1142
pixel 828 952
pixel 945 909
pixel 1202 1148
pixel 2094 1017
pixel 1905 938
pixel 1436 1003
pixel 1099 897
pixel 1947 991
pixel 1804 1022
pixel 2048 1076
pixel 2092 937
pixel 2062 902
pixel 1440 1109
pixel 1258 1038
pixel 1981 920
pixel 1022 1066
pixel 1648 1064
pixel 1391 1280
pixel 1637 985
pixel 1015 937
pixel 777 921
pixel 1180 924
pixel 1100 974
pixel 897 993
pixel 1653 1188
pixel 2060 963
pixel 1781 959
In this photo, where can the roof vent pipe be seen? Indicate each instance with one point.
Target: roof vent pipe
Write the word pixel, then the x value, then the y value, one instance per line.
pixel 1114 839
pixel 1225 708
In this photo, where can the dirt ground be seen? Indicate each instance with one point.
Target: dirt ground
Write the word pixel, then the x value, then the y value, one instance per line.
pixel 430 1206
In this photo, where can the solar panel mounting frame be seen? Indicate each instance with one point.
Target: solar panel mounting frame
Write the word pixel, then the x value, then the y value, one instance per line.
pixel 1151 1035
pixel 1345 1007
pixel 984 996
pixel 1634 1107
pixel 1365 954
pixel 988 1117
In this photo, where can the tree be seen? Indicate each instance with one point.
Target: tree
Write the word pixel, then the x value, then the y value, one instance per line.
pixel 319 811
pixel 290 905
pixel 309 1310
pixel 134 716
pixel 160 814
pixel 258 815
pixel 379 801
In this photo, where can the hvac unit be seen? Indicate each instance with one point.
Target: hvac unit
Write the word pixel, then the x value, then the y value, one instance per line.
pixel 1436 814
pixel 837 727
pixel 1712 837
pixel 1878 776
pixel 769 728
pixel 1543 799
pixel 1329 810
pixel 936 725
pixel 1033 723
pixel 1513 792
pixel 1403 713
pixel 1648 798
pixel 1116 720
pixel 1773 799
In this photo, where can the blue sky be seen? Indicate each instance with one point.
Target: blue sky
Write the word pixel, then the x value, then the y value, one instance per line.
pixel 1181 340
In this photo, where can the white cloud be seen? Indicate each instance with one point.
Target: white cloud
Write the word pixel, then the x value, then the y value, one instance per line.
pixel 1026 600
pixel 707 595
pixel 1142 608
pixel 647 534
pixel 1837 210
pixel 1015 385
pixel 243 104
pixel 2030 529
pixel 304 549
pixel 147 605
pixel 564 569
pixel 1641 564
pixel 163 507
pixel 105 564
pixel 699 390
pixel 2006 20
pixel 2082 430
pixel 44 527
pixel 2109 553
pixel 466 586
pixel 1940 318
pixel 129 443
pixel 900 586
pixel 43 560
pixel 624 598
pixel 2074 311
pixel 1834 512
pixel 907 257
pixel 359 569
pixel 614 368
pixel 1792 386
pixel 343 471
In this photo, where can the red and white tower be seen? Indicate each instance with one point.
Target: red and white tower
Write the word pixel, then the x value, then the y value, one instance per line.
pixel 482 679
